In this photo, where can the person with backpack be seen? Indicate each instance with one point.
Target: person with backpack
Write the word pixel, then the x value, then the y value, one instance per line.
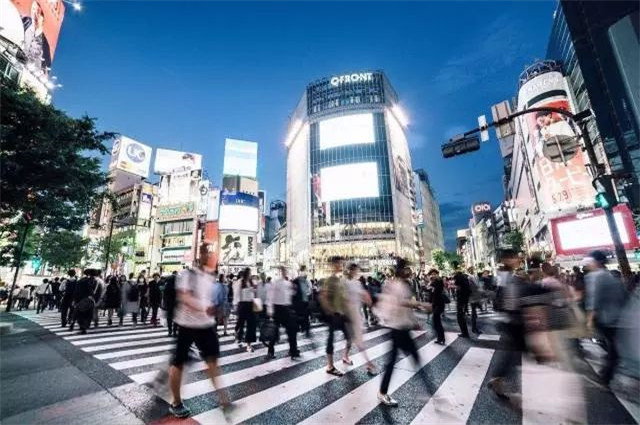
pixel 112 298
pixel 301 297
pixel 155 297
pixel 130 300
pixel 84 300
pixel 169 303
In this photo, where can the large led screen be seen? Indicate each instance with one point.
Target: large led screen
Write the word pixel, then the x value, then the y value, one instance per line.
pixel 349 181
pixel 346 130
pixel 240 158
pixel 238 217
pixel 588 233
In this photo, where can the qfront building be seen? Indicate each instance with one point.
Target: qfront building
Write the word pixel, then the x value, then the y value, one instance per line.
pixel 350 185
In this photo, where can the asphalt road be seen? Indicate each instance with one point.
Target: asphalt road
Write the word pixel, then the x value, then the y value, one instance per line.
pixel 106 377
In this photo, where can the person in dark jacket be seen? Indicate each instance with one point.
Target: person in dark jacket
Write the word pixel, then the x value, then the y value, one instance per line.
pixel 155 298
pixel 438 304
pixel 112 298
pixel 66 303
pixel 143 287
pixel 169 303
pixel 84 301
pixel 463 292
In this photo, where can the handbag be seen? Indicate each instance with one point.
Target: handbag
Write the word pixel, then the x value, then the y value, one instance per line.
pixel 269 332
pixel 257 305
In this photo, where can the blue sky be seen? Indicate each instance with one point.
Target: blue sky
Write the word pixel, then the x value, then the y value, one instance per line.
pixel 185 75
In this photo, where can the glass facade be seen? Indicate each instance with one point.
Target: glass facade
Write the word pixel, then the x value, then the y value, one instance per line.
pixel 590 38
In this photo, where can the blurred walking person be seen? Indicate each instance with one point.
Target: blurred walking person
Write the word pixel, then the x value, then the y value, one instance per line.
pixel 357 297
pixel 112 298
pixel 195 313
pixel 438 302
pixel 66 302
pixel 130 300
pixel 301 298
pixel 169 301
pixel 246 316
pixel 463 292
pixel 396 311
pixel 333 299
pixel 605 300
pixel 143 288
pixel 279 296
pixel 43 293
pixel 155 298
pixel 85 300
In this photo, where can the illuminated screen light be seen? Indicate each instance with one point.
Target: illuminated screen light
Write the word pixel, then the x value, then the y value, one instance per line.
pixel 240 158
pixel 350 181
pixel 346 130
pixel 238 217
pixel 590 232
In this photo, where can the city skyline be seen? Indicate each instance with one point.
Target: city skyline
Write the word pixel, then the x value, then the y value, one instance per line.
pixel 215 97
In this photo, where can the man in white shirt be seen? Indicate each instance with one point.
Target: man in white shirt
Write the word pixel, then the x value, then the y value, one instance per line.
pixel 195 313
pixel 279 295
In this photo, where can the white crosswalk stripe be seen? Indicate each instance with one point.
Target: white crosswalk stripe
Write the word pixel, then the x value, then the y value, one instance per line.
pixel 281 388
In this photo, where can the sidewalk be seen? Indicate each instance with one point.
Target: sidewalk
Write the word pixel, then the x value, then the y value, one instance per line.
pixel 45 380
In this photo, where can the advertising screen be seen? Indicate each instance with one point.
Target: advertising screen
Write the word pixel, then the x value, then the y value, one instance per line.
pixel 239 217
pixel 346 130
pixel 212 243
pixel 359 180
pixel 237 249
pixel 39 22
pixel 131 156
pixel 169 162
pixel 578 234
pixel 240 158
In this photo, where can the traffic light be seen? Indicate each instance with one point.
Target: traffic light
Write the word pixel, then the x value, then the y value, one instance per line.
pixel 602 201
pixel 605 195
pixel 460 146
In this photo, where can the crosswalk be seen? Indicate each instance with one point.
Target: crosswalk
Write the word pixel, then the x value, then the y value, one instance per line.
pixel 282 390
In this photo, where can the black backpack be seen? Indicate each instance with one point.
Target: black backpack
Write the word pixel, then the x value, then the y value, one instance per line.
pixel 134 293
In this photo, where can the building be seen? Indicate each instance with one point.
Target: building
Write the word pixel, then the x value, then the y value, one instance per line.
pixel 464 247
pixel 24 58
pixel 598 46
pixel 349 178
pixel 428 216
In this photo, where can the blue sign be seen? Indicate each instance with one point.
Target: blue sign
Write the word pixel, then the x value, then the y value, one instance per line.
pixel 238 198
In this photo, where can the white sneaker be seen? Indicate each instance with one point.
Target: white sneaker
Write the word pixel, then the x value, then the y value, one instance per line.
pixel 387 400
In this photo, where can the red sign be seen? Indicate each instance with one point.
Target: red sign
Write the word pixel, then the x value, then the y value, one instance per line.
pixel 581 233
pixel 212 241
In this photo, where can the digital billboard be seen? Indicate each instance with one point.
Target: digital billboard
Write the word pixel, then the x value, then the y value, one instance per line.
pixel 170 162
pixel 212 243
pixel 357 180
pixel 40 22
pixel 237 249
pixel 346 130
pixel 131 156
pixel 239 211
pixel 240 158
pixel 581 233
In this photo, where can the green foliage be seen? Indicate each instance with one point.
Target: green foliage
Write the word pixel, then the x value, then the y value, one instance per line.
pixel 118 242
pixel 10 236
pixel 50 169
pixel 515 238
pixel 63 249
pixel 439 258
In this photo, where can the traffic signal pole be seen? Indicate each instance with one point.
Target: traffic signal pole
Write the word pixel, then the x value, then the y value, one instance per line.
pixel 597 171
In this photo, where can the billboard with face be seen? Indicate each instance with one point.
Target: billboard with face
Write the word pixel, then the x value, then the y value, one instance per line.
pixel 170 162
pixel 131 156
pixel 237 249
pixel 40 21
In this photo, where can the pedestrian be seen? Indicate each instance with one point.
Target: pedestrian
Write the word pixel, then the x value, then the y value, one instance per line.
pixel 112 298
pixel 54 301
pixel 66 302
pixel 605 300
pixel 23 298
pixel 357 297
pixel 463 292
pixel 43 293
pixel 169 301
pixel 84 300
pixel 438 300
pixel 333 299
pixel 396 310
pixel 279 295
pixel 301 297
pixel 195 313
pixel 130 300
pixel 245 294
pixel 143 289
pixel 475 299
pixel 220 300
pixel 155 297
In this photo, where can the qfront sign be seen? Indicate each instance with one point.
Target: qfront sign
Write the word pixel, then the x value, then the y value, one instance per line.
pixel 176 212
pixel 357 77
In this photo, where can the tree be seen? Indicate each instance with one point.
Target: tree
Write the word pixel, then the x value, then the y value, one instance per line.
pixel 453 259
pixel 118 242
pixel 515 238
pixel 439 258
pixel 63 249
pixel 10 234
pixel 51 174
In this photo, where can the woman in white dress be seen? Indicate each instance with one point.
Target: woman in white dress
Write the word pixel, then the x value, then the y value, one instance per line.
pixel 356 295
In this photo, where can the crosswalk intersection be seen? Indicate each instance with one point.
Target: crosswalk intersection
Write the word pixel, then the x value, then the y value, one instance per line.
pixel 447 386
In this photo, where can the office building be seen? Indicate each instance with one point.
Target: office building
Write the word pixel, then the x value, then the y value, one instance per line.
pixel 428 216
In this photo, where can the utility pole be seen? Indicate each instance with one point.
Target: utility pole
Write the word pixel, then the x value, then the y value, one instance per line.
pixel 468 142
pixel 18 260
